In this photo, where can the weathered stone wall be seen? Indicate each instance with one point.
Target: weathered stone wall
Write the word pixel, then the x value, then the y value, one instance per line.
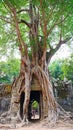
pixel 5 97
pixel 4 104
pixel 63 92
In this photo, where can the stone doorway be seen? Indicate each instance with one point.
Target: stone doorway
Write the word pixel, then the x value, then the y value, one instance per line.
pixel 35 105
pixel 22 97
pixel 34 109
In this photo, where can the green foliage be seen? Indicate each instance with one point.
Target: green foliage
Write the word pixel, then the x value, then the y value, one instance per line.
pixel 62 68
pixel 16 3
pixel 56 69
pixel 35 105
pixel 9 70
pixel 52 11
pixel 67 68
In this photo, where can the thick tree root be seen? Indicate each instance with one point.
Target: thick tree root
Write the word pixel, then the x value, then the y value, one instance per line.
pixel 7 118
pixel 61 115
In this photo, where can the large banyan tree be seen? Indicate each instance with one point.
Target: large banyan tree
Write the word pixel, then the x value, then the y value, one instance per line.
pixel 39 28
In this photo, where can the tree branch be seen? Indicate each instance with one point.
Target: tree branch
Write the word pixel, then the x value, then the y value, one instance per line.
pixel 52 51
pixel 44 28
pixel 66 40
pixel 60 43
pixel 56 23
pixel 22 10
pixel 23 21
pixel 62 20
pixel 49 31
pixel 23 45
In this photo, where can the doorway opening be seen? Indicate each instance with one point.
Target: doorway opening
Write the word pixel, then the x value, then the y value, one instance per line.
pixel 22 97
pixel 35 113
pixel 34 109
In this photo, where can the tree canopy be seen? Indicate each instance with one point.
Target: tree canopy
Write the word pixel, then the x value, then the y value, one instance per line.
pixel 54 18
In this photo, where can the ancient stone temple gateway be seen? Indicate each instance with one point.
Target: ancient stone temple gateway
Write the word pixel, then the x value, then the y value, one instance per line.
pixel 35 95
pixel 36 89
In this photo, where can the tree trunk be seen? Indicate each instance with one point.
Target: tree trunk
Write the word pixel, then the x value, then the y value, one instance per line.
pixel 36 66
pixel 23 84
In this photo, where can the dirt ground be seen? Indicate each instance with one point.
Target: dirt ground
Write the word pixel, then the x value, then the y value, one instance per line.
pixel 60 125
